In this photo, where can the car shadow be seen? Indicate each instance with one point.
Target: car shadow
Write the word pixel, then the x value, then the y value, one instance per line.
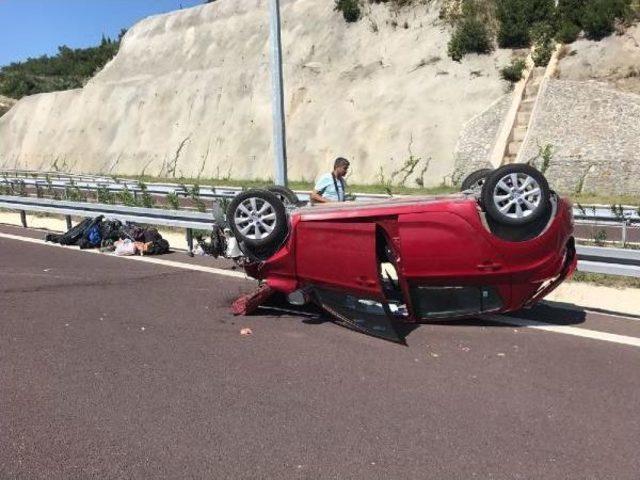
pixel 541 313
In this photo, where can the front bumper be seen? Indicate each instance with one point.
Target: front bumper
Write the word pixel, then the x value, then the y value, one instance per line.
pixel 568 267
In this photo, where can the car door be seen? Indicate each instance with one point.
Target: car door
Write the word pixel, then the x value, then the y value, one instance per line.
pixel 339 255
pixel 337 262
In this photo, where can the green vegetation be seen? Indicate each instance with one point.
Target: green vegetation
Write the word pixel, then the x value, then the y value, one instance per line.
pixel 592 198
pixel 599 16
pixel 516 18
pixel 173 201
pixel 104 195
pixel 295 185
pixel 471 34
pixel 606 280
pixel 542 36
pixel 567 32
pixel 194 193
pixel 513 73
pixel 73 193
pixel 350 10
pixel 70 68
pixel 127 197
pixel 596 17
pixel 145 200
pixel 523 23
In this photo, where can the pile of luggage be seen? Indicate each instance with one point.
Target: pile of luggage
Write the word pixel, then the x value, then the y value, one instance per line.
pixel 113 236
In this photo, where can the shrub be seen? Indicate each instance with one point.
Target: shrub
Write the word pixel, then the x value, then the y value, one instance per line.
pixel 545 154
pixel 104 195
pixel 513 73
pixel 542 35
pixel 73 193
pixel 570 11
pixel 599 16
pixel 516 17
pixel 173 201
pixel 597 20
pixel 567 32
pixel 350 9
pixel 146 200
pixel 194 193
pixel 470 36
pixel 126 197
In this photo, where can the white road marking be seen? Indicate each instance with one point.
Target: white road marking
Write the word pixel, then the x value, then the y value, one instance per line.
pixel 522 322
pixel 564 329
pixel 147 259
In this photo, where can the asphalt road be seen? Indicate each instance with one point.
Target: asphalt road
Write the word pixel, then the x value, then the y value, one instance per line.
pixel 117 369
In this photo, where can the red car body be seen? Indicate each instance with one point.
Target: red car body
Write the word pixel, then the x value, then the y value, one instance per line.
pixel 448 262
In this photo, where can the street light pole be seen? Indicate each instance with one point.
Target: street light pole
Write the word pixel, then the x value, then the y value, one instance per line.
pixel 277 98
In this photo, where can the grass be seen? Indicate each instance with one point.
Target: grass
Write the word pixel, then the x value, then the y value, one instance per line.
pixel 592 198
pixel 583 198
pixel 294 185
pixel 606 280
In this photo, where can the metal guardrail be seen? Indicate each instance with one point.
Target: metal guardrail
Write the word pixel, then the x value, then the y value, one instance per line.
pixel 600 260
pixel 63 181
pixel 597 213
pixel 611 261
pixel 189 220
pixel 170 218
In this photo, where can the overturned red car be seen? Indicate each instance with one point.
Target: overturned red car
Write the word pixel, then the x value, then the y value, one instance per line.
pixel 500 245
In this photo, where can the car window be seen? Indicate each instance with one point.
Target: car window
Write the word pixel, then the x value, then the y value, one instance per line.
pixel 363 314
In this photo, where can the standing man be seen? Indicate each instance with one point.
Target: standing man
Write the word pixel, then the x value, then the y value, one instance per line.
pixel 331 187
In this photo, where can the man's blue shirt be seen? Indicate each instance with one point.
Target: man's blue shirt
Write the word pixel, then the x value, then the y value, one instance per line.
pixel 327 188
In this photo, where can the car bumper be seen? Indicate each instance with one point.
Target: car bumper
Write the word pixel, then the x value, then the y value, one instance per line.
pixel 568 267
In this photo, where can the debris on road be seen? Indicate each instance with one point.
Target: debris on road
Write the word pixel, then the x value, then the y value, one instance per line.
pixel 113 236
pixel 247 304
pixel 246 331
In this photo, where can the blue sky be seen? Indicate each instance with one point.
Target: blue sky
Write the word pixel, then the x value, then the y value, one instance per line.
pixel 30 28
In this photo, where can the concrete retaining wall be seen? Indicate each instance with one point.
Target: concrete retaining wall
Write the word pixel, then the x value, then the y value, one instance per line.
pixel 595 133
pixel 477 139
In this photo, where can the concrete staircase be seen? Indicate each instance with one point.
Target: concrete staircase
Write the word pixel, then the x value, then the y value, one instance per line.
pixel 523 116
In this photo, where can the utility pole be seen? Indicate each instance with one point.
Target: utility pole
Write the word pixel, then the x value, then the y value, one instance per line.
pixel 277 98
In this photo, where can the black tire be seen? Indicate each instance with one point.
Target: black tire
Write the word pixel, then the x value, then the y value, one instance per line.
pixel 516 204
pixel 475 180
pixel 286 195
pixel 258 218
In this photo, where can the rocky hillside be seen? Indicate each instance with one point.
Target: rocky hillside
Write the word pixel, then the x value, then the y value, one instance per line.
pixel 614 60
pixel 189 94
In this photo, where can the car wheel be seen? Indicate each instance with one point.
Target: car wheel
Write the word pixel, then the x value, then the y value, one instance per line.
pixel 286 195
pixel 475 180
pixel 258 218
pixel 516 194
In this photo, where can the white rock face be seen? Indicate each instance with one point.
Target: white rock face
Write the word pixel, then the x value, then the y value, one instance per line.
pixel 614 59
pixel 189 94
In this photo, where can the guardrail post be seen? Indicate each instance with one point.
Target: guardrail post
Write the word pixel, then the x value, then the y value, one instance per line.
pixel 68 219
pixel 624 233
pixel 23 218
pixel 190 241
